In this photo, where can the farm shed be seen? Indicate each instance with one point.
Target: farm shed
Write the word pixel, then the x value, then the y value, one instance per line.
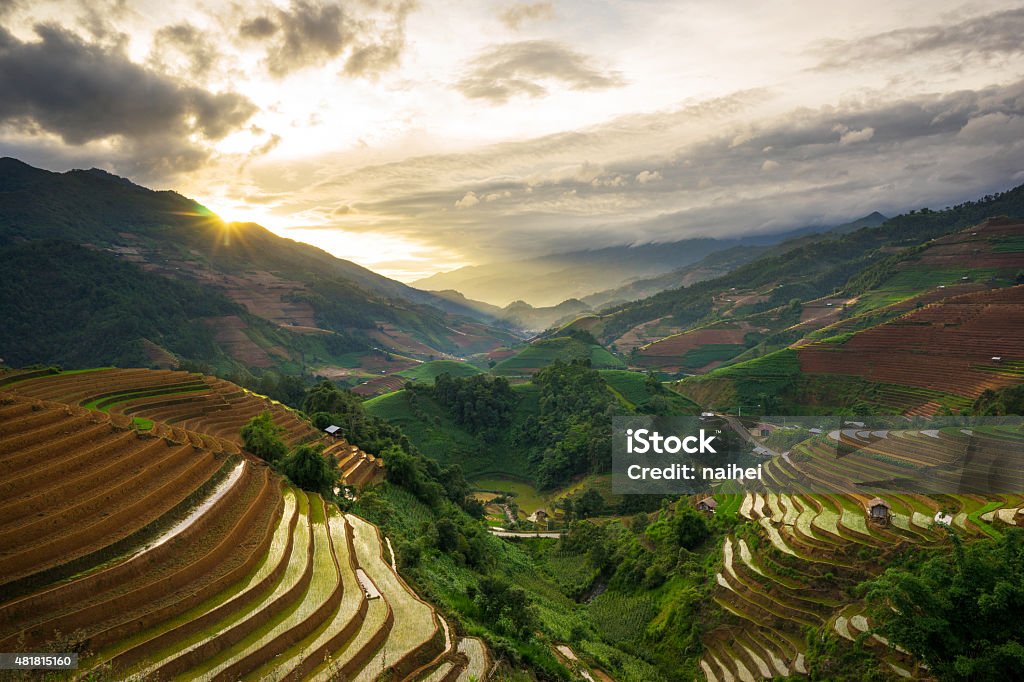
pixel 539 516
pixel 708 504
pixel 879 511
pixel 333 430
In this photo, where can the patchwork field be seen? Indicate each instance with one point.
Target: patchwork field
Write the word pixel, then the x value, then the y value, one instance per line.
pixel 170 553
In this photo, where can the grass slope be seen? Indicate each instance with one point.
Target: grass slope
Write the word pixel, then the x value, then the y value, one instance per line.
pixel 542 353
pixel 428 371
pixel 437 436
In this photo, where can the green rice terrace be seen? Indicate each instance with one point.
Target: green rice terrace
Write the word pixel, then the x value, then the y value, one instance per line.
pixel 168 552
pixel 793 560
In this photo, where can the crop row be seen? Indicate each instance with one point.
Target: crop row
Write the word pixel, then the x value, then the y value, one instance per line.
pixel 167 559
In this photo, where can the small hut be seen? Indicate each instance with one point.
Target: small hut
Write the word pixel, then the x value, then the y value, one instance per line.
pixel 708 504
pixel 333 430
pixel 879 511
pixel 539 517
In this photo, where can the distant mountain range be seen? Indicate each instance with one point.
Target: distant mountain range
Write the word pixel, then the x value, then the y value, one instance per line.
pixel 595 276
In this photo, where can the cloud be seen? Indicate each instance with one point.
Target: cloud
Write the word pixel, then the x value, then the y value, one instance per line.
pixel 611 181
pixel 986 35
pixel 524 68
pixel 257 28
pixel 468 201
pixel 267 146
pixel 379 47
pixel 85 92
pixel 308 34
pixel 847 136
pixel 715 180
pixel 515 16
pixel 311 33
pixel 644 177
pixel 185 41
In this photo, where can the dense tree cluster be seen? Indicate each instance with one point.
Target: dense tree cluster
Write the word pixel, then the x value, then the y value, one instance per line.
pixel 572 433
pixel 1006 401
pixel 645 552
pixel 262 437
pixel 506 606
pixel 958 611
pixel 307 467
pixel 478 403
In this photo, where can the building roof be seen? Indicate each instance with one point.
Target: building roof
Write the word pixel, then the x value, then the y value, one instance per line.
pixel 709 502
pixel 878 501
pixel 332 429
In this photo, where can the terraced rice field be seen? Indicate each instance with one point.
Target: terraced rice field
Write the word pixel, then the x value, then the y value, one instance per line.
pixel 172 555
pixel 791 566
pixel 946 347
pixel 698 350
pixel 188 408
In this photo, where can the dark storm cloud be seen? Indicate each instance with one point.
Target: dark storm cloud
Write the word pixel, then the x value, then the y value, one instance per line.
pixel 313 33
pixel 85 92
pixel 990 34
pixel 521 68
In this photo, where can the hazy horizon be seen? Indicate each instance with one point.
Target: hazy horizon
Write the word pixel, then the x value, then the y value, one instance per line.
pixel 418 137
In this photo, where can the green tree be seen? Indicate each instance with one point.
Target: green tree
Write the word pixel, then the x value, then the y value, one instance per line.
pixel 262 437
pixel 958 611
pixel 690 526
pixel 307 468
pixel 589 503
pixel 505 605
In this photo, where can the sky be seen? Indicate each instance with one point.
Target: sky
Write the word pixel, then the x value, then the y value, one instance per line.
pixel 418 136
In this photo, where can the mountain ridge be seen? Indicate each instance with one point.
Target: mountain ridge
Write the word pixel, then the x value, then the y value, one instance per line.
pixel 297 288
